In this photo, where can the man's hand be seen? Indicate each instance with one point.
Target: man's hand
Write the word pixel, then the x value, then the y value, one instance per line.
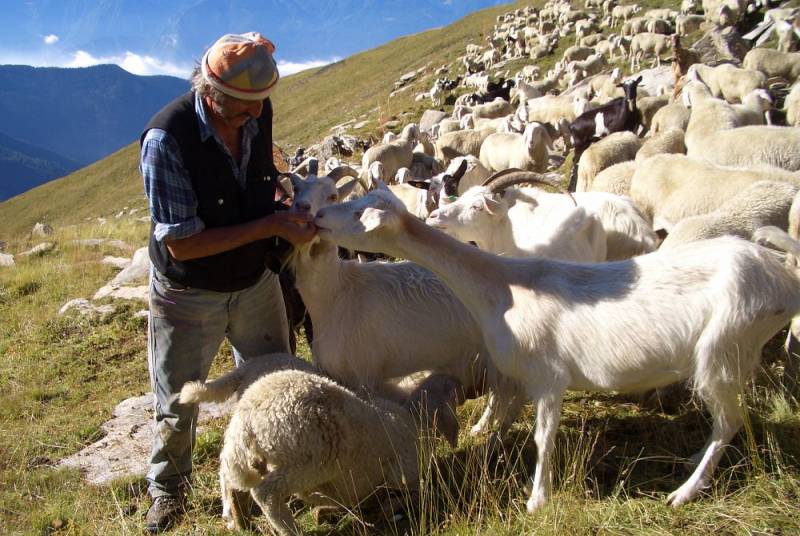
pixel 296 227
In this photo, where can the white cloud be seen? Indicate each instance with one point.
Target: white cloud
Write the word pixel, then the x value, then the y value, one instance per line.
pixel 51 39
pixel 131 62
pixel 290 67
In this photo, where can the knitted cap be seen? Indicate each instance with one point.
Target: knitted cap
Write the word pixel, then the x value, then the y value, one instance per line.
pixel 241 66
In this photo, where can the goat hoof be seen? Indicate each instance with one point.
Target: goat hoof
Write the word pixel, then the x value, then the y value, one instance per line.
pixel 534 503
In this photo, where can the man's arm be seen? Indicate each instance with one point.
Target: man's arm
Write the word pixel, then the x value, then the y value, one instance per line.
pixel 294 227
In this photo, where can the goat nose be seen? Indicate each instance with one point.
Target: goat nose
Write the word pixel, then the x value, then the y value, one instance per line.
pixel 303 206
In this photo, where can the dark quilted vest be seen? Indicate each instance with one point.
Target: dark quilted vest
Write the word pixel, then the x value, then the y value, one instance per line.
pixel 221 201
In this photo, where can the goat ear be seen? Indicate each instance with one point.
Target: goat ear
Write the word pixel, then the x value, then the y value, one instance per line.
pixel 416 183
pixel 373 218
pixel 345 189
pixel 462 168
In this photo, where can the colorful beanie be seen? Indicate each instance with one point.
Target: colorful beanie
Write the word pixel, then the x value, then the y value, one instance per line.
pixel 241 66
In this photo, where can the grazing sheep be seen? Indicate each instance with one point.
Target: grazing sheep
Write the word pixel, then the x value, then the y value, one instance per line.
pixel 613 149
pixel 671 187
pixel 575 53
pixel 701 312
pixel 527 151
pixel 615 179
pixel 688 23
pixel 650 43
pixel 763 203
pixel 623 12
pixel 295 433
pixel 664 142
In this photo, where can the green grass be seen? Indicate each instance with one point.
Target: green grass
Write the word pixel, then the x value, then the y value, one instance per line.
pixel 61 376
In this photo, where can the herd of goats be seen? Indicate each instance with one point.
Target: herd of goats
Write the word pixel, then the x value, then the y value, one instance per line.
pixel 670 257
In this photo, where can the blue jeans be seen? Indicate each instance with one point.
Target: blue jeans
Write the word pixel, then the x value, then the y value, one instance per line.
pixel 186 328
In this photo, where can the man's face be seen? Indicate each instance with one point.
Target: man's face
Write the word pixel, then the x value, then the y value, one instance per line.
pixel 235 112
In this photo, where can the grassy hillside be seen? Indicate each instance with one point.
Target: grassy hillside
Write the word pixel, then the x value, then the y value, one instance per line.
pixel 616 458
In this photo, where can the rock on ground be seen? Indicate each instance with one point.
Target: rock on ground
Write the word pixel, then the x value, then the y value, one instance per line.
pixel 84 307
pixel 6 259
pixel 125 449
pixel 39 249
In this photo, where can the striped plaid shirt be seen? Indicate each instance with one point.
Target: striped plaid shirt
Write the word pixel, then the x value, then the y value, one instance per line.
pixel 173 203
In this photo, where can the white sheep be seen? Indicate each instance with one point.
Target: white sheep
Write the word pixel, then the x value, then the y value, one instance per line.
pixel 650 43
pixel 394 155
pixel 613 149
pixel 623 12
pixel 792 106
pixel 460 143
pixel 754 107
pixel 615 179
pixel 670 187
pixel 527 151
pixel 727 81
pixel 688 23
pixel 774 63
pixel 295 433
pixel 702 312
pixel 665 142
pixel 674 115
pixel 711 135
pixel 761 204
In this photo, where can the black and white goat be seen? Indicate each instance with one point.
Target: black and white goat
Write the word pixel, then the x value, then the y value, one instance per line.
pixel 614 116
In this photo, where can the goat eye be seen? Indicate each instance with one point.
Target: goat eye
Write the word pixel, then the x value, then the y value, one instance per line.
pixel 332 197
pixel 357 214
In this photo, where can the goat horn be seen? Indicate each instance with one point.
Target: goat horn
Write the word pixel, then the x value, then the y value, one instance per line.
pixel 526 177
pixel 499 174
pixel 342 171
pixel 290 175
pixel 304 165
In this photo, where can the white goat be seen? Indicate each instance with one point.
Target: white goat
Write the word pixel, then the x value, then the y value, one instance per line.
pixel 701 312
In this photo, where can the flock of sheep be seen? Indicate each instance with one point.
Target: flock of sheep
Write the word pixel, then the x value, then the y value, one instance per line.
pixel 648 274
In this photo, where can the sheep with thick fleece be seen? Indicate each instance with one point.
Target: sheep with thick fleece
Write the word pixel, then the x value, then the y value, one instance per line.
pixel 650 43
pixel 671 187
pixel 702 312
pixel 712 135
pixel 295 433
pixel 613 149
pixel 792 106
pixel 754 107
pixel 460 143
pixel 649 106
pixel 615 179
pixel 489 110
pixel 774 63
pixel 670 116
pixel 668 141
pixel 727 81
pixel 394 155
pixel 762 203
pixel 554 108
pixel 527 151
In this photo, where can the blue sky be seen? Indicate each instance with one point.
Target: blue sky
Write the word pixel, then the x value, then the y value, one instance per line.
pixel 167 36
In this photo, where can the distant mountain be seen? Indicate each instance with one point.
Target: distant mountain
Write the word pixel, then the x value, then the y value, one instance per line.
pixel 81 114
pixel 24 166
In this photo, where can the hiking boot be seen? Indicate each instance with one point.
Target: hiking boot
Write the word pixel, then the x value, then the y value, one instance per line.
pixel 163 513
